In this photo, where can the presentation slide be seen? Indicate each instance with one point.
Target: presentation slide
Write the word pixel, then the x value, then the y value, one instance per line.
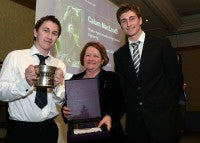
pixel 82 21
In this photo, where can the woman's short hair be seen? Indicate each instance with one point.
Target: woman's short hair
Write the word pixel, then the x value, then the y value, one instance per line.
pixel 99 47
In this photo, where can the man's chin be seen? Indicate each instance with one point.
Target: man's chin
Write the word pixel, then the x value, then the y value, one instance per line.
pixel 131 35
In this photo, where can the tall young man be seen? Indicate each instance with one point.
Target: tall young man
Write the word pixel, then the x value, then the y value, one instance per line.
pixel 151 81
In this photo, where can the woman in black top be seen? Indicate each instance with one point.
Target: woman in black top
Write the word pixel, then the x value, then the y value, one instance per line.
pixel 93 57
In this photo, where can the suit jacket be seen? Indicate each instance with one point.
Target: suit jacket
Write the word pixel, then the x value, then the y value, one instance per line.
pixel 155 92
pixel 111 101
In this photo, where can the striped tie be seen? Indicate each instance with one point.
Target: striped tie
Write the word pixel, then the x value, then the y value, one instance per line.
pixel 136 56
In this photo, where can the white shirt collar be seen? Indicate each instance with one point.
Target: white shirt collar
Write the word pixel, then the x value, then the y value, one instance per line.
pixel 34 51
pixel 141 38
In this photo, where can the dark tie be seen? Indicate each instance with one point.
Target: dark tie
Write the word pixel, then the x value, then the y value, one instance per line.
pixel 41 92
pixel 136 56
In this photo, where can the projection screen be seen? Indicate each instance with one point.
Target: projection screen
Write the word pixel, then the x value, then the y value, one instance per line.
pixel 82 21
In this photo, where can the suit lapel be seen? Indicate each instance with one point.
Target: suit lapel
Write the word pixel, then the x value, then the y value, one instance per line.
pixel 101 80
pixel 144 56
pixel 128 61
pixel 129 57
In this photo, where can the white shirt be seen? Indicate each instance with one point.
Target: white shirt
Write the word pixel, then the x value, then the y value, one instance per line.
pixel 141 39
pixel 21 97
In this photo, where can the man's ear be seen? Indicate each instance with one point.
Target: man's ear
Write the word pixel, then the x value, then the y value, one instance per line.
pixel 140 20
pixel 34 32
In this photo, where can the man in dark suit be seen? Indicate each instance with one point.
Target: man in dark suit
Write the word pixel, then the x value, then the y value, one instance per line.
pixel 151 91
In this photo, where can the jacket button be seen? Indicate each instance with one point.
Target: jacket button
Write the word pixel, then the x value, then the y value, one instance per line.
pixel 138 88
pixel 140 103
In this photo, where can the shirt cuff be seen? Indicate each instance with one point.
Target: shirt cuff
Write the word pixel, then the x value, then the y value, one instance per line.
pixel 59 92
pixel 24 87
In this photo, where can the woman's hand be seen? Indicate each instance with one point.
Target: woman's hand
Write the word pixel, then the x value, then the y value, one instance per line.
pixel 66 112
pixel 107 121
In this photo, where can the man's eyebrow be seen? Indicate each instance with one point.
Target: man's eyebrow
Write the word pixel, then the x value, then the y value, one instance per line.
pixel 129 17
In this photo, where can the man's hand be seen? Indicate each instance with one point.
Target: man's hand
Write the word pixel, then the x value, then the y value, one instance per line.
pixel 30 75
pixel 58 76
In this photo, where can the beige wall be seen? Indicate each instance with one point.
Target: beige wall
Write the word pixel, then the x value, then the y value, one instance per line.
pixel 191 70
pixel 16 24
pixel 188 45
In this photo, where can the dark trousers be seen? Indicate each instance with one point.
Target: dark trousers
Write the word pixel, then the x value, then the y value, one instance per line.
pixel 141 134
pixel 32 132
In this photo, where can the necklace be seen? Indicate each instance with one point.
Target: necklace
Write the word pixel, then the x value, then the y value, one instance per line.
pixel 85 76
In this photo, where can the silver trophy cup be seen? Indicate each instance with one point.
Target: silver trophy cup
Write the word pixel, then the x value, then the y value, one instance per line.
pixel 45 75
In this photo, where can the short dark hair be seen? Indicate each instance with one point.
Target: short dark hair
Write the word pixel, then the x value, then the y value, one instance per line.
pixel 48 18
pixel 99 47
pixel 125 8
